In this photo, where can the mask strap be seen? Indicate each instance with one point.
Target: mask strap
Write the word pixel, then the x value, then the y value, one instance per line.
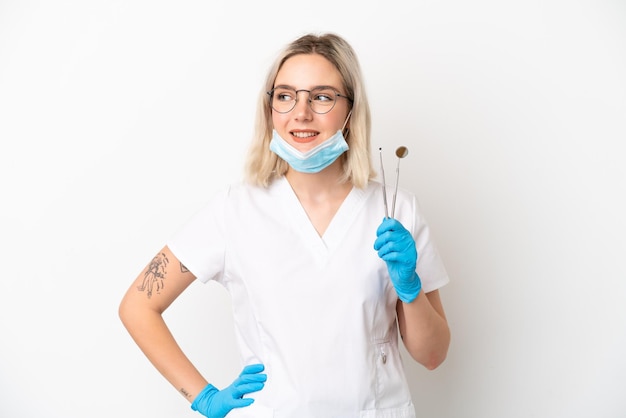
pixel 346 121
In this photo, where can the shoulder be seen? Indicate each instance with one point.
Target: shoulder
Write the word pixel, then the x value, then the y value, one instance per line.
pixel 233 191
pixel 245 190
pixel 241 197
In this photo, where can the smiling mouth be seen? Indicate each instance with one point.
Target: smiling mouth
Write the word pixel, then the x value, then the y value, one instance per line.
pixel 304 136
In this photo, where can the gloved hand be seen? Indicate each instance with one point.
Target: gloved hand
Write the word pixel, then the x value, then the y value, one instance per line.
pixel 396 247
pixel 214 403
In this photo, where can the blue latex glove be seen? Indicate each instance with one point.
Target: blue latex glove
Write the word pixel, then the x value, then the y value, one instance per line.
pixel 396 247
pixel 214 403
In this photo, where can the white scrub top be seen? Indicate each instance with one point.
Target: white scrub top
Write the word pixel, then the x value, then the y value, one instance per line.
pixel 318 312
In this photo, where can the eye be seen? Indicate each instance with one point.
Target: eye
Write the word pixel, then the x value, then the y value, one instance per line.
pixel 323 95
pixel 284 95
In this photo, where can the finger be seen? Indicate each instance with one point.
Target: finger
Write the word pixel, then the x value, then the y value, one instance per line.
pixel 386 237
pixel 246 388
pixel 243 402
pixel 389 246
pixel 388 224
pixel 380 242
pixel 253 368
pixel 251 378
pixel 396 258
pixel 384 250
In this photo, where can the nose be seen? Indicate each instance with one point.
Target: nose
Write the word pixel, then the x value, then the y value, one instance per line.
pixel 302 109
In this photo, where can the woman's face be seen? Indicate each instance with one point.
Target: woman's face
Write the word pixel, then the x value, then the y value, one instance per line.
pixel 301 127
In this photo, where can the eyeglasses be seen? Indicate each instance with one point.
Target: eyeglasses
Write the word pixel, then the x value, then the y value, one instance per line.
pixel 321 99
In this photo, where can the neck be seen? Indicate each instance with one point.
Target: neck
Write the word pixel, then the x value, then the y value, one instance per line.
pixel 320 194
pixel 319 185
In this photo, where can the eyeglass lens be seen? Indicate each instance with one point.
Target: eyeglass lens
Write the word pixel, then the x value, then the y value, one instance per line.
pixel 321 100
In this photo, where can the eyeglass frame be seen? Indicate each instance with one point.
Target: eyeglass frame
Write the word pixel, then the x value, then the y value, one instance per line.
pixel 309 101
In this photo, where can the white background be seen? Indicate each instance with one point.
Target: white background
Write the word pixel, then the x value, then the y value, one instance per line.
pixel 119 119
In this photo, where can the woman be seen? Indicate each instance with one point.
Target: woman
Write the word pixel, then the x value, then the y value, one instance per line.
pixel 321 280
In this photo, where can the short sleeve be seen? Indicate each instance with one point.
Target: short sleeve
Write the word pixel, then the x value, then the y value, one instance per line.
pixel 200 244
pixel 430 267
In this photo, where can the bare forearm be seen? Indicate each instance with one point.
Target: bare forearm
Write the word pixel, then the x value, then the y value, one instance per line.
pixel 424 330
pixel 154 338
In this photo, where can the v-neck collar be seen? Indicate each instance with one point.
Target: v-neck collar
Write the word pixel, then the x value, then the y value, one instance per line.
pixel 322 246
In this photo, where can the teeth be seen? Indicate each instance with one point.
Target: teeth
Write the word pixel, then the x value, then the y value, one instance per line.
pixel 303 134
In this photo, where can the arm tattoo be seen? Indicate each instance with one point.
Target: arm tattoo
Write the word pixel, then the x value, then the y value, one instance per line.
pixel 185 393
pixel 183 268
pixel 154 275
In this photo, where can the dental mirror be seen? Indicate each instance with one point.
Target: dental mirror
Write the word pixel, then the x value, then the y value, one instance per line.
pixel 401 152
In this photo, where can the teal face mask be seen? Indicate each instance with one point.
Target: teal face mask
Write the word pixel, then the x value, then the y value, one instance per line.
pixel 315 159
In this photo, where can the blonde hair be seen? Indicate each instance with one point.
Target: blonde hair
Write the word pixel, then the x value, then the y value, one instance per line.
pixel 263 166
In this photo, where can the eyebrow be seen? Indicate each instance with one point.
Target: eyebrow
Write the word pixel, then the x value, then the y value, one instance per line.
pixel 285 86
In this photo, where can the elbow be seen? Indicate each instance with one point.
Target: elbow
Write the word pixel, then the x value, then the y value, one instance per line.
pixel 122 312
pixel 434 361
pixel 438 356
pixel 127 312
pixel 135 314
pixel 431 356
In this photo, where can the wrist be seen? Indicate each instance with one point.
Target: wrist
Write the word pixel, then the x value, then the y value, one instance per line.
pixel 204 396
pixel 410 289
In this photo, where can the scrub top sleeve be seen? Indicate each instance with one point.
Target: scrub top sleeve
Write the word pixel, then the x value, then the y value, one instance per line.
pixel 200 245
pixel 430 267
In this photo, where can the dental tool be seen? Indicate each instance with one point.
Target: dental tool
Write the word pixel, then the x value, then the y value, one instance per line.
pixel 382 171
pixel 401 152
